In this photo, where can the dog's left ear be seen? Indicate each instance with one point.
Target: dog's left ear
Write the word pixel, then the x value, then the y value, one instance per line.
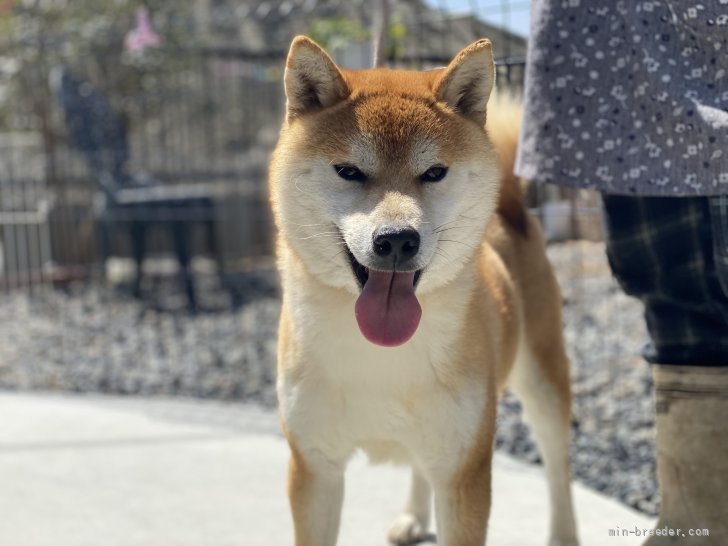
pixel 466 83
pixel 312 79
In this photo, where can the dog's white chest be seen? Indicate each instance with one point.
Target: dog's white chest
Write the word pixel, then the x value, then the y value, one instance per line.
pixel 388 401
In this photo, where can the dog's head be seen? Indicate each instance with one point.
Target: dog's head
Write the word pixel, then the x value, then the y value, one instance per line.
pixel 383 180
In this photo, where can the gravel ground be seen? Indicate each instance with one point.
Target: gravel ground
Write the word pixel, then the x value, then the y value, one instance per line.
pixel 96 339
pixel 613 441
pixel 93 338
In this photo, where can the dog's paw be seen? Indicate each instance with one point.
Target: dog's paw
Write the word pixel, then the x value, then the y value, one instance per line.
pixel 407 529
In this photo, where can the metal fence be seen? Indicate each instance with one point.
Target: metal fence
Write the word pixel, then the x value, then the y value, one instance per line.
pixel 199 112
pixel 210 118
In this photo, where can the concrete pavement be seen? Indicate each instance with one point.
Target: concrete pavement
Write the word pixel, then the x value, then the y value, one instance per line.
pixel 109 471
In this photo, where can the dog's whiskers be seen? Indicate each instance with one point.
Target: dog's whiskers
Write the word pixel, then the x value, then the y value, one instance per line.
pixel 333 258
pixel 322 234
pixel 459 242
pixel 460 218
pixel 442 252
pixel 454 227
pixel 309 225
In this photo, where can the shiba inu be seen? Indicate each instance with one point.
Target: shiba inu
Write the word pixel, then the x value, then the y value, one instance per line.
pixel 415 288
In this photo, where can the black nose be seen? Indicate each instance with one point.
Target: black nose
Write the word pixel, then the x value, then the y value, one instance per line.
pixel 400 243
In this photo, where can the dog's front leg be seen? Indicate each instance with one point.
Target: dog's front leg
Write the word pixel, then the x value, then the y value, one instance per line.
pixel 316 493
pixel 462 504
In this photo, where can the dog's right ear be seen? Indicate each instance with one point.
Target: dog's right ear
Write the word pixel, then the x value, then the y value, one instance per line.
pixel 312 79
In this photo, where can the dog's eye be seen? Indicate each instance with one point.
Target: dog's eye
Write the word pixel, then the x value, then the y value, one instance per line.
pixel 434 174
pixel 349 172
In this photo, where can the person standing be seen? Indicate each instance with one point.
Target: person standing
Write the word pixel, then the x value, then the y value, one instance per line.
pixel 630 98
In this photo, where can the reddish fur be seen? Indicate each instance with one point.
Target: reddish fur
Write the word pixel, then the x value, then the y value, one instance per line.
pixel 516 292
pixel 504 120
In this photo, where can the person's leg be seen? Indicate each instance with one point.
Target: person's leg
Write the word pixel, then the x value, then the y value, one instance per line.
pixel 719 221
pixel 692 453
pixel 667 252
pixel 661 250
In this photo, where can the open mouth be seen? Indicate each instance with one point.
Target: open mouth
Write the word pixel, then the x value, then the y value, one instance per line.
pixel 361 272
pixel 387 310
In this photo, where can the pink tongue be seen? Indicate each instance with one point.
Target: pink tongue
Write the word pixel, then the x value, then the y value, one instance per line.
pixel 387 310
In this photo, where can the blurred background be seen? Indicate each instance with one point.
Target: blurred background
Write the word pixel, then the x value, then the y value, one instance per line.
pixel 135 237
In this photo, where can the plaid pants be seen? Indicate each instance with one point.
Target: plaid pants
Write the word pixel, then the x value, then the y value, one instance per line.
pixel 672 254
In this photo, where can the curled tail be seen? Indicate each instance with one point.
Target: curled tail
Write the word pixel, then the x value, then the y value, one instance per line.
pixel 503 125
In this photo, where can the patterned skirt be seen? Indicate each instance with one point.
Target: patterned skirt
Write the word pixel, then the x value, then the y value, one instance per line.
pixel 628 97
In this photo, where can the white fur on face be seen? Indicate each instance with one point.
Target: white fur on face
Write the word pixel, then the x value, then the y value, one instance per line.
pixel 323 214
pixel 459 208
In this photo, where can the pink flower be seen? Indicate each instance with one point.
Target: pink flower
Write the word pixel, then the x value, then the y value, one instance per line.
pixel 143 35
